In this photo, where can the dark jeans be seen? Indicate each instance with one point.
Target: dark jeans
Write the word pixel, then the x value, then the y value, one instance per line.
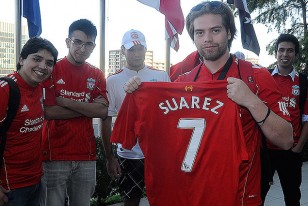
pixel 26 196
pixel 289 169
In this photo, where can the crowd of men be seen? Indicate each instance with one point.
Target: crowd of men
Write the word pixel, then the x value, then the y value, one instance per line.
pixel 222 126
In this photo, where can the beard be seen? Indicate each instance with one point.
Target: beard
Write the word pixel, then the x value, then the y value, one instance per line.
pixel 214 55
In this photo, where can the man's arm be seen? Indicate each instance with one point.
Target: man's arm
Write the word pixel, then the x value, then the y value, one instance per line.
pixel 274 127
pixel 97 109
pixel 65 109
pixel 58 112
pixel 3 198
pixel 113 167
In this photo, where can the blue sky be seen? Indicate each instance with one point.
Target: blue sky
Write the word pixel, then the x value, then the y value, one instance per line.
pixel 122 15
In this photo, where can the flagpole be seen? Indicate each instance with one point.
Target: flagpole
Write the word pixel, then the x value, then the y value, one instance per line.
pixel 102 52
pixel 167 60
pixel 18 28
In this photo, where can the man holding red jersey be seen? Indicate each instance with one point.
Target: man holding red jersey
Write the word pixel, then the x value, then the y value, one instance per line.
pixel 288 163
pixel 211 26
pixel 130 171
pixel 21 171
pixel 76 93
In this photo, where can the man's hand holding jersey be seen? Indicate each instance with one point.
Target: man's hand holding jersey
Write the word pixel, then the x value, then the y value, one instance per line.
pixel 132 84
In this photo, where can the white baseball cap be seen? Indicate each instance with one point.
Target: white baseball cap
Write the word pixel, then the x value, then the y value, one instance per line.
pixel 132 38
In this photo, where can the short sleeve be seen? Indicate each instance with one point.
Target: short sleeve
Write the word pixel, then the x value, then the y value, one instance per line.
pixel 268 92
pixel 49 95
pixel 100 88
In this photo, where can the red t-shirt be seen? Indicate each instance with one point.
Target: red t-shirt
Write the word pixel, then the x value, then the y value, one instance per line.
pixel 72 139
pixel 188 159
pixel 269 93
pixel 22 163
pixel 290 91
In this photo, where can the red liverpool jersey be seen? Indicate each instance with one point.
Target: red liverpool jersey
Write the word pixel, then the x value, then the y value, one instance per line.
pixel 268 92
pixel 290 90
pixel 192 140
pixel 22 162
pixel 72 139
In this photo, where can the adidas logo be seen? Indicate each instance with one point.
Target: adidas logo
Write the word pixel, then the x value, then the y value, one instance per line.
pixel 60 81
pixel 24 108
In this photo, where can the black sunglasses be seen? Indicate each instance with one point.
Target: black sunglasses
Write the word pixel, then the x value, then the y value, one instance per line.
pixel 213 4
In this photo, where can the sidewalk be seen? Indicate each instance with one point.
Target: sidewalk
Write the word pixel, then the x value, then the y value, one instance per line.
pixel 274 196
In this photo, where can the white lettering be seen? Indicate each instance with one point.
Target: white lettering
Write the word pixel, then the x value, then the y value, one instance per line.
pixel 63 92
pixel 214 109
pixel 31 129
pixel 193 103
pixel 34 121
pixel 161 106
pixel 183 103
pixel 175 105
pixel 207 101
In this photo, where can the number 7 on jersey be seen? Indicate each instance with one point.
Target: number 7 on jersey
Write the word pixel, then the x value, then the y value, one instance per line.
pixel 198 127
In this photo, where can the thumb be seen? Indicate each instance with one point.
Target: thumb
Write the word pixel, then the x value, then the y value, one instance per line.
pixel 231 80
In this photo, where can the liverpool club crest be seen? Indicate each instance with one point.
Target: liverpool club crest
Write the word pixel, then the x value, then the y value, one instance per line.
pixel 90 83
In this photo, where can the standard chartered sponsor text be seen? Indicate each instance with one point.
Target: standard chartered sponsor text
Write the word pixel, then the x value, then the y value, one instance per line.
pixel 32 125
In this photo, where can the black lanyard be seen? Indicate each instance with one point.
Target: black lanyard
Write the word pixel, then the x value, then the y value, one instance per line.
pixel 223 73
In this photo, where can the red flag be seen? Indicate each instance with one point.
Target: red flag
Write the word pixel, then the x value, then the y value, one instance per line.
pixel 174 18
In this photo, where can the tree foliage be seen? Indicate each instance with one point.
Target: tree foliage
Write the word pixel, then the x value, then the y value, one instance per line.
pixel 284 16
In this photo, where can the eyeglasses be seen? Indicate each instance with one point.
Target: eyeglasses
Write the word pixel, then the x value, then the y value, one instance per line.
pixel 214 4
pixel 79 44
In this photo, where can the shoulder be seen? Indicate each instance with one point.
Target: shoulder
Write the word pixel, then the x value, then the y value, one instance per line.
pixel 4 80
pixel 92 68
pixel 189 76
pixel 154 75
pixel 60 62
pixel 154 69
pixel 259 69
pixel 116 78
pixel 116 73
pixel 4 84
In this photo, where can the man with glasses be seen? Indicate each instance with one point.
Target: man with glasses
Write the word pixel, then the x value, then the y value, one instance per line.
pixel 211 26
pixel 75 94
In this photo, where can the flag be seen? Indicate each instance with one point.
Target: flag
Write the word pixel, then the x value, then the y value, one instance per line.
pixel 31 11
pixel 248 35
pixel 174 18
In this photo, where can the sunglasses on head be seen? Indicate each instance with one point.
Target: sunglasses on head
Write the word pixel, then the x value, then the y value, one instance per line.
pixel 213 4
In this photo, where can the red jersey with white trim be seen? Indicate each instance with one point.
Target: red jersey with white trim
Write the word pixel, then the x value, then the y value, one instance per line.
pixel 22 162
pixel 188 161
pixel 290 89
pixel 72 139
pixel 269 93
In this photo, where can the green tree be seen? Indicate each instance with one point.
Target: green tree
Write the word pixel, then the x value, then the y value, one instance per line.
pixel 284 16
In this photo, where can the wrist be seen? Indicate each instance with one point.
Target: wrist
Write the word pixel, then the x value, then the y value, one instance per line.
pixel 260 123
